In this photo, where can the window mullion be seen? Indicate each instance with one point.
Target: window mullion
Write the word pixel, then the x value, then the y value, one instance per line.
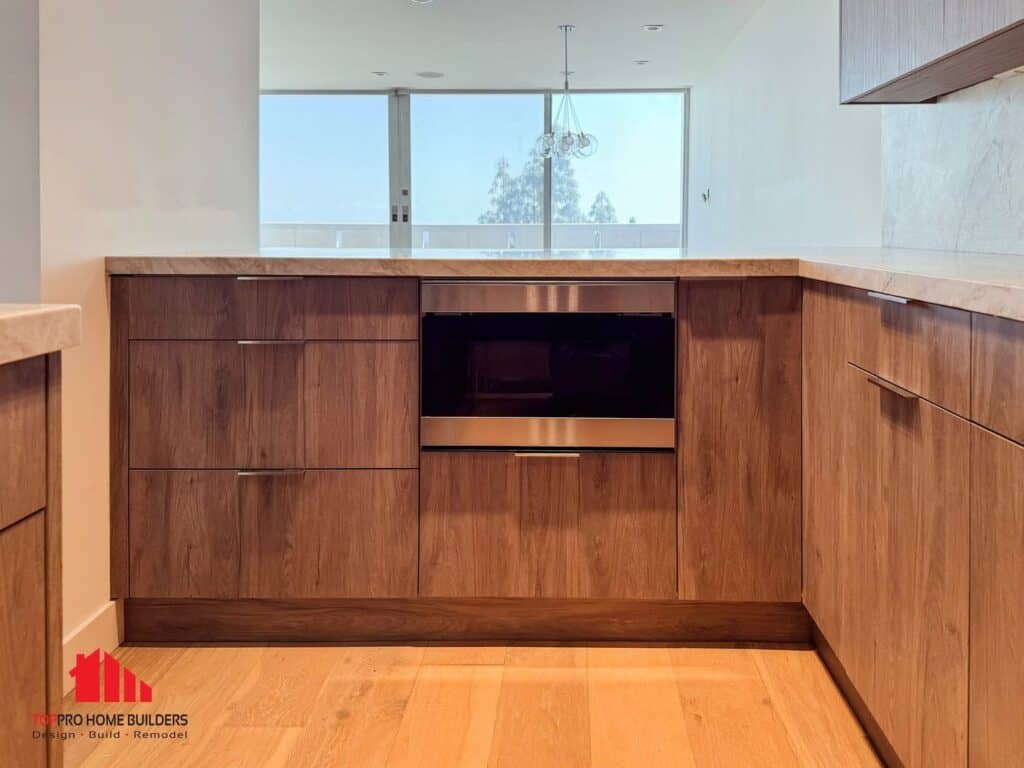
pixel 399 170
pixel 547 175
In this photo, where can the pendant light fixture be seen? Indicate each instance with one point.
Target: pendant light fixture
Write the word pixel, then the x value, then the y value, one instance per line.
pixel 566 137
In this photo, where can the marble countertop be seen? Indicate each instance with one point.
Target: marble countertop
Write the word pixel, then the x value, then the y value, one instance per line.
pixel 29 330
pixel 988 283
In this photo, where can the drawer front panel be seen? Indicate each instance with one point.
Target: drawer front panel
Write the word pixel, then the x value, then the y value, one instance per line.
pixel 997 386
pixel 215 404
pixel 215 308
pixel 22 439
pixel 223 534
pixel 357 308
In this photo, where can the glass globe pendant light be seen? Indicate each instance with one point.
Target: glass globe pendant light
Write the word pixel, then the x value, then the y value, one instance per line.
pixel 566 137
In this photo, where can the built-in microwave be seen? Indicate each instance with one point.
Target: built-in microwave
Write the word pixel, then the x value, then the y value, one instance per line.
pixel 552 364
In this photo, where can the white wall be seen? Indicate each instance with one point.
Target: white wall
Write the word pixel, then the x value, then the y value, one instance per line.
pixel 953 172
pixel 785 164
pixel 19 151
pixel 149 113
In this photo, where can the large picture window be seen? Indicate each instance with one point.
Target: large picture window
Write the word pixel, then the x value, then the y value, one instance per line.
pixel 462 170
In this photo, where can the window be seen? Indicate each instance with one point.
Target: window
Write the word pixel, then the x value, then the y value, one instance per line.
pixel 324 171
pixel 476 180
pixel 461 170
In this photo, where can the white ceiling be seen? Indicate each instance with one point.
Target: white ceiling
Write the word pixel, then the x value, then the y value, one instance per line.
pixel 492 44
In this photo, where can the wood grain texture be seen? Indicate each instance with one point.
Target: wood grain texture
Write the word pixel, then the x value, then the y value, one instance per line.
pixel 215 308
pixel 997 613
pixel 969 20
pixel 739 437
pixel 22 439
pixel 215 404
pixel 627 525
pixel 53 555
pixel 886 564
pixel 463 619
pixel 329 534
pixel 921 347
pixel 120 318
pixel 997 375
pixel 23 663
pixel 362 308
pixel 501 524
pixel 185 533
pixel 362 404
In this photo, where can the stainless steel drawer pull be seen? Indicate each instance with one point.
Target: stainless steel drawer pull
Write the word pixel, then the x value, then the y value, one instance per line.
pixel 269 342
pixel 266 278
pixel 881 383
pixel 547 455
pixel 270 472
pixel 888 297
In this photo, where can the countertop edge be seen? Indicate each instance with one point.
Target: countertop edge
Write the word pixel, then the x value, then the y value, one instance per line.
pixel 33 330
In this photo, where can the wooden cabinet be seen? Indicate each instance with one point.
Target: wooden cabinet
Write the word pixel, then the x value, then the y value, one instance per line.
pixel 997 391
pixel 362 404
pixel 886 539
pixel 362 308
pixel 501 524
pixel 997 607
pixel 23 639
pixel 22 447
pixel 739 440
pixel 216 404
pixel 216 534
pixel 910 51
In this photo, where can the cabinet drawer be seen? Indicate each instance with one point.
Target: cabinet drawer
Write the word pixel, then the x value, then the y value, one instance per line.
pixel 215 308
pixel 358 308
pixel 23 635
pixel 22 439
pixel 557 525
pixel 220 534
pixel 924 348
pixel 997 386
pixel 362 401
pixel 215 404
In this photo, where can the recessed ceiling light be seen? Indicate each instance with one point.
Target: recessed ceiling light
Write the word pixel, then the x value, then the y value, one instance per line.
pixel 430 75
pixel 379 74
pixel 641 62
pixel 421 2
pixel 653 27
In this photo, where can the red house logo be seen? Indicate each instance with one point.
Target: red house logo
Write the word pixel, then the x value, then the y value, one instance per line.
pixel 87 680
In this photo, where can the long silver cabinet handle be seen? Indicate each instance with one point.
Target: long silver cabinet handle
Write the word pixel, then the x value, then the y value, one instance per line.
pixel 266 278
pixel 271 472
pixel 546 455
pixel 888 297
pixel 881 383
pixel 269 342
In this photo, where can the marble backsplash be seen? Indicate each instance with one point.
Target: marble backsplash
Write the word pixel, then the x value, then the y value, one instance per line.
pixel 953 172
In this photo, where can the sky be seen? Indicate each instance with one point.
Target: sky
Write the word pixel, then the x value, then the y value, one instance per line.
pixel 324 158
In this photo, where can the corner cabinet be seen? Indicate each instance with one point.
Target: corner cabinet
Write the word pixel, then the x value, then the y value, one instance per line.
pixel 912 51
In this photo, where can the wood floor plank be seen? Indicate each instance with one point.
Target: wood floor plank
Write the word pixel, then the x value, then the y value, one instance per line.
pixel 249 747
pixel 360 709
pixel 636 717
pixel 284 688
pixel 821 728
pixel 449 720
pixel 730 719
pixel 543 718
pixel 442 654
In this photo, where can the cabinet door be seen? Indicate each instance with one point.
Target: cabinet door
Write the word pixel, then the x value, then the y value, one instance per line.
pixel 329 534
pixel 501 524
pixel 362 308
pixel 362 404
pixel 739 440
pixel 215 404
pixel 997 607
pixel 23 640
pixel 22 439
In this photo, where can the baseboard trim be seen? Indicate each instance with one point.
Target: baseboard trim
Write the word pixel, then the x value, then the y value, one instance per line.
pixel 462 619
pixel 874 731
pixel 103 629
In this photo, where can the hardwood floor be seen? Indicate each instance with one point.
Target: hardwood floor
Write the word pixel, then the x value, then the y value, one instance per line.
pixel 520 705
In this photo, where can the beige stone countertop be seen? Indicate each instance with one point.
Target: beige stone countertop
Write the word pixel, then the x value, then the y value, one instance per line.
pixel 987 283
pixel 29 330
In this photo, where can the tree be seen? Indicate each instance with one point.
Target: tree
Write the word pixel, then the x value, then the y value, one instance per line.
pixel 602 211
pixel 520 199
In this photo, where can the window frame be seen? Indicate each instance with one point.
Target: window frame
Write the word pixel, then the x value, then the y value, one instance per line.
pixel 400 143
